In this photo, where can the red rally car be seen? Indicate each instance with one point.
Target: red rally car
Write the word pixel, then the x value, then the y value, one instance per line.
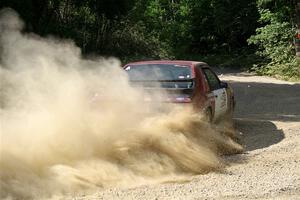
pixel 185 82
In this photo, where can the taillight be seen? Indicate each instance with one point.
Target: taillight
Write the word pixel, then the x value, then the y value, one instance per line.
pixel 169 99
pixel 183 100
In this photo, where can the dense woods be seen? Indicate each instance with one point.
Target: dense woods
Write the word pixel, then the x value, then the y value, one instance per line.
pixel 257 34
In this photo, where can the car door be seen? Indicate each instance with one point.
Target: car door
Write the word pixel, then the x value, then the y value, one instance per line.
pixel 219 93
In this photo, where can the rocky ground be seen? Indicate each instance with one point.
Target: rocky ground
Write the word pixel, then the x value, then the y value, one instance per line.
pixel 267 118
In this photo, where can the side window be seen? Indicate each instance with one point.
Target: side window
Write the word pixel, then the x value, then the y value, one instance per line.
pixel 212 79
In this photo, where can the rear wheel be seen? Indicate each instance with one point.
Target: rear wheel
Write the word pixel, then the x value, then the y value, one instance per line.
pixel 229 113
pixel 208 115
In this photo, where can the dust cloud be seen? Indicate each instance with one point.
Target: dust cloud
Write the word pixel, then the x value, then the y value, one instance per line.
pixel 72 125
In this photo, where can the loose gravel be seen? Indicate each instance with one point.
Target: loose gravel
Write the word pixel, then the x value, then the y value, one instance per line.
pixel 267 119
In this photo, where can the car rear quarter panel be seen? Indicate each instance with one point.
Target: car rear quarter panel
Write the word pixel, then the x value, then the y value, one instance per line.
pixel 201 99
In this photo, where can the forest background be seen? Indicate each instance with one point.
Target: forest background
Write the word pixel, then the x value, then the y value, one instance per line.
pixel 256 35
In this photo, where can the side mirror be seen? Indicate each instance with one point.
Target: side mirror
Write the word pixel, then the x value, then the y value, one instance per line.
pixel 224 85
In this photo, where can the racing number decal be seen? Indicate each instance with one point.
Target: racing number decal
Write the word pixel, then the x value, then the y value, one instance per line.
pixel 219 93
pixel 220 101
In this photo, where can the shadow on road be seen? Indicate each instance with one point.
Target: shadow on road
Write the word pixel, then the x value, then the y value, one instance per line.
pixel 258 104
pixel 265 101
pixel 258 134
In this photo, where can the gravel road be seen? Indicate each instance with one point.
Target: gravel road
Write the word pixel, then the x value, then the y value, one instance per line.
pixel 267 118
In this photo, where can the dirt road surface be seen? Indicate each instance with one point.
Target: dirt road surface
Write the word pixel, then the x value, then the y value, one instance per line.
pixel 267 118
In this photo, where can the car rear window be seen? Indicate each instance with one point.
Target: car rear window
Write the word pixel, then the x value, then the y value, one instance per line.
pixel 158 72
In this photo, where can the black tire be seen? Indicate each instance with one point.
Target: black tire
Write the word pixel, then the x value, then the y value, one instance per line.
pixel 208 115
pixel 229 114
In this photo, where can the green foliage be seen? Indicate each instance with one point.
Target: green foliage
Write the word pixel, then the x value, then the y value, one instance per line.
pixel 130 40
pixel 215 31
pixel 222 26
pixel 169 21
pixel 172 27
pixel 275 43
pixel 101 26
pixel 243 59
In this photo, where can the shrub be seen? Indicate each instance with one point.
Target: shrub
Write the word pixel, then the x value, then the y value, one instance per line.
pixel 275 45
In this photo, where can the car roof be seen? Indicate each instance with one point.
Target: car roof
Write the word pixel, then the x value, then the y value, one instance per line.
pixel 176 62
